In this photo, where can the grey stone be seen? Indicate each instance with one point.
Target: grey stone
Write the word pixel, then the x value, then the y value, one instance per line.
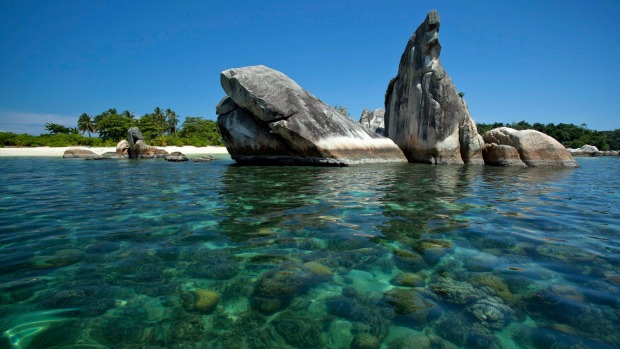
pixel 278 122
pixel 425 115
pixel 207 158
pixel 133 137
pixel 535 148
pixel 176 156
pixel 373 120
pixel 80 154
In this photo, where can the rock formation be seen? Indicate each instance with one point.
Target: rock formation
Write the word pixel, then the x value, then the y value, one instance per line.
pixel 268 118
pixel 373 120
pixel 535 149
pixel 425 115
pixel 80 154
pixel 136 142
pixel 134 147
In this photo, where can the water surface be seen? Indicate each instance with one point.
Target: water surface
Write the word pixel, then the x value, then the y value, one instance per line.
pixel 126 254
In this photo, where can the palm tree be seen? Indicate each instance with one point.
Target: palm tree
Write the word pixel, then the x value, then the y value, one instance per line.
pixel 172 120
pixel 85 124
pixel 128 114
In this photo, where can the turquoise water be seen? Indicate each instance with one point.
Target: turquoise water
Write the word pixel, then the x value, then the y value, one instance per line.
pixel 151 254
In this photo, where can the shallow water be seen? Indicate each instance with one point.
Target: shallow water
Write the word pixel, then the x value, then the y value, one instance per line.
pixel 126 254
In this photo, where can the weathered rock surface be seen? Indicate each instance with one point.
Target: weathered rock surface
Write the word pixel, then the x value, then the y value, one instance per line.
pixel 134 136
pixel 590 150
pixel 268 118
pixel 535 148
pixel 122 148
pixel 176 156
pixel 425 115
pixel 80 154
pixel 502 155
pixel 373 120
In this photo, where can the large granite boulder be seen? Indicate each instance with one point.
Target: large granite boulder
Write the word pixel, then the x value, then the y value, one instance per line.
pixel 122 148
pixel 535 148
pixel 584 150
pixel 80 153
pixel 268 118
pixel 425 115
pixel 136 143
pixel 373 120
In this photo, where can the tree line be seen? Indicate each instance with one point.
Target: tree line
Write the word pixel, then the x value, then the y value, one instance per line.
pixel 571 136
pixel 159 128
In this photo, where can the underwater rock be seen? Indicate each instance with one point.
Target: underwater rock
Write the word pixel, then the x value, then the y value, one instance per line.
pixel 480 261
pixel 377 315
pixel 410 307
pixel 495 283
pixel 408 261
pixel 491 312
pixel 283 283
pixel 59 259
pixel 266 306
pixel 459 330
pixel 432 249
pixel 455 292
pixel 319 269
pixel 416 341
pixel 408 280
pixel 301 331
pixel 365 341
pixel 205 300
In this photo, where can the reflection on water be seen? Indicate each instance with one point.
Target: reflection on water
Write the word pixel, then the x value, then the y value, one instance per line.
pixel 192 255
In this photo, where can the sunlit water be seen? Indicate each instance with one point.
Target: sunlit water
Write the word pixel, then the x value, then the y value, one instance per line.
pixel 151 254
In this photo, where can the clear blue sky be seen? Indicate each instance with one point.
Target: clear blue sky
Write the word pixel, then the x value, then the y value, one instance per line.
pixel 533 60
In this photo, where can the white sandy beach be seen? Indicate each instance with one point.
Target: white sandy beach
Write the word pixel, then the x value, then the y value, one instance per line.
pixel 58 151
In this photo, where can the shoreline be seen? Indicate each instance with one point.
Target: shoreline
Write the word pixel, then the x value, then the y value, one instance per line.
pixel 59 151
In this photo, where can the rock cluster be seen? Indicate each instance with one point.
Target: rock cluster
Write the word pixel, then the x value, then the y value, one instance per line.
pixel 268 118
pixel 425 115
pixel 590 150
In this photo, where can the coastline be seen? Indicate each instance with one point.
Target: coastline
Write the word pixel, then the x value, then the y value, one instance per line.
pixel 59 151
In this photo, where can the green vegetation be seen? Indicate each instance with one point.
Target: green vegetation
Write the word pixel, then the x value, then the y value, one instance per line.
pixel 159 128
pixel 571 136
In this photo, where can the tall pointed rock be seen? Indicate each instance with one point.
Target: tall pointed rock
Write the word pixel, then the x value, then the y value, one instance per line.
pixel 425 115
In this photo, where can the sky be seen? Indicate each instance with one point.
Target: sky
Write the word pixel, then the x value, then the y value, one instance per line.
pixel 534 60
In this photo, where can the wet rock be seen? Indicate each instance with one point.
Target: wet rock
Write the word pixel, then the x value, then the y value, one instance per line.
pixel 301 331
pixel 207 158
pixel 455 292
pixel 433 249
pixel 205 300
pixel 78 153
pixel 501 155
pixel 408 261
pixel 410 307
pixel 535 149
pixel 176 157
pixel 459 330
pixel 276 121
pixel 365 341
pixel 425 115
pixel 408 280
pixel 495 283
pixel 491 312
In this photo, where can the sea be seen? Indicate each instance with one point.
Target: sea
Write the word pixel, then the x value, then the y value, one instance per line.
pixel 156 254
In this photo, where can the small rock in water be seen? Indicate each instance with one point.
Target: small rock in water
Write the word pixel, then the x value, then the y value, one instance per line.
pixel 205 300
pixel 207 158
pixel 365 341
pixel 176 157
